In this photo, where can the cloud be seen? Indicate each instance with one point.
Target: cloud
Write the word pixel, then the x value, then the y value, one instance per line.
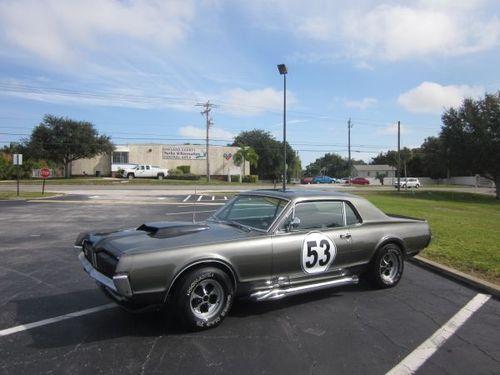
pixel 363 65
pixel 254 102
pixel 361 104
pixel 201 133
pixel 392 129
pixel 388 31
pixel 430 97
pixel 61 31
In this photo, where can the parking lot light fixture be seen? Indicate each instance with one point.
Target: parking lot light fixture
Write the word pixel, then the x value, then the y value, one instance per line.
pixel 284 71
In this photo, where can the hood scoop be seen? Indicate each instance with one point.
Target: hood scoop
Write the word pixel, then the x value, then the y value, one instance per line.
pixel 168 230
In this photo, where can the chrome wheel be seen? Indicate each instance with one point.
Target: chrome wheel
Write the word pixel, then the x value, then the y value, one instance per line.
pixel 207 299
pixel 389 267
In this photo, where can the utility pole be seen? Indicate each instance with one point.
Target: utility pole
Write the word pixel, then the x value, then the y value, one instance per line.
pixel 399 156
pixel 209 123
pixel 349 126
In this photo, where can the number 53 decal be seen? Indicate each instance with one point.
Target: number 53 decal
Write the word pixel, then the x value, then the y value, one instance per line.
pixel 318 252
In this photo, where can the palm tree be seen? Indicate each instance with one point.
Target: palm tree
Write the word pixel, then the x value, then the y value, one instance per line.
pixel 245 153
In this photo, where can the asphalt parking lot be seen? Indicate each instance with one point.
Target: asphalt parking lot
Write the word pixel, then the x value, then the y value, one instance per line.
pixel 351 330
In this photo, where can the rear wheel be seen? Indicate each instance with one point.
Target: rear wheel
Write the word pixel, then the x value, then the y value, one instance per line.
pixel 387 266
pixel 204 298
pixel 160 177
pixel 130 176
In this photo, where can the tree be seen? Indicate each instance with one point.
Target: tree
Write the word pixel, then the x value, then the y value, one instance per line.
pixel 63 140
pixel 332 165
pixel 270 153
pixel 434 159
pixel 471 137
pixel 245 153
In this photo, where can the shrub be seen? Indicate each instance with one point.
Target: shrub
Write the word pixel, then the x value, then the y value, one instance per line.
pixel 235 178
pixel 251 179
pixel 190 177
pixel 175 172
pixel 186 169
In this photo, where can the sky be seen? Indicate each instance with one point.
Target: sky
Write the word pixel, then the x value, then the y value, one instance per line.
pixel 137 69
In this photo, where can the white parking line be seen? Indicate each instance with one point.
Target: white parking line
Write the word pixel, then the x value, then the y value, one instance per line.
pixel 26 327
pixel 187 198
pixel 213 197
pixel 413 361
pixel 225 198
pixel 199 198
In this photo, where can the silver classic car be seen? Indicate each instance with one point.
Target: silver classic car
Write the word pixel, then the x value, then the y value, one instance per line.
pixel 263 245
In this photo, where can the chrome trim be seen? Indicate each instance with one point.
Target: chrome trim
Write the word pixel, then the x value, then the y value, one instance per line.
pixel 122 285
pixel 277 293
pixel 96 275
pixel 119 285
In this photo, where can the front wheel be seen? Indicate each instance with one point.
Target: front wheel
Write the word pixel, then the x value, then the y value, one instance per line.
pixel 204 298
pixel 387 266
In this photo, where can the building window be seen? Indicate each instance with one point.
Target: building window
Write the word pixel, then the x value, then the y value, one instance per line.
pixel 120 157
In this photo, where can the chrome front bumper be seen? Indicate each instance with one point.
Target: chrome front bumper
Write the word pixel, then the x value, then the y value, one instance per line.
pixel 119 286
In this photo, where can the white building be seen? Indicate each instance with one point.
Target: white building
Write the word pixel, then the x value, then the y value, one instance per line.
pixel 165 156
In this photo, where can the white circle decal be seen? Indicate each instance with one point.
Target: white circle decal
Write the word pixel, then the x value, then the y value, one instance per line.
pixel 318 252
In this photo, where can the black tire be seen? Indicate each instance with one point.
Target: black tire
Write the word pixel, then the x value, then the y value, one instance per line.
pixel 386 267
pixel 130 176
pixel 204 298
pixel 160 177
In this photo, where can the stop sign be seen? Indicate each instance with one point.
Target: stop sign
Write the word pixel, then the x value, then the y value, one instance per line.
pixel 45 173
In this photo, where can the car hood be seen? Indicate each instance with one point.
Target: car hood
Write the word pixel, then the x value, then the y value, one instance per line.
pixel 158 236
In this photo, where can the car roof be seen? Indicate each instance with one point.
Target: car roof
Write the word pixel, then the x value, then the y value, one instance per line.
pixel 294 194
pixel 367 210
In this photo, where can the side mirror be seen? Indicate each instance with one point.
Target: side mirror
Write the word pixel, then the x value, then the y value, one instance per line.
pixel 294 224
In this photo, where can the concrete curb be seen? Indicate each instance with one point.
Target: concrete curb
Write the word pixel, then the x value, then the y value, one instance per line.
pixel 453 274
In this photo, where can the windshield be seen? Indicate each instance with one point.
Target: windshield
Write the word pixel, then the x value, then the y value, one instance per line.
pixel 252 211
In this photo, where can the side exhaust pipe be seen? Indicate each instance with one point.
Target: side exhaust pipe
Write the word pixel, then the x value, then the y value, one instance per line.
pixel 278 293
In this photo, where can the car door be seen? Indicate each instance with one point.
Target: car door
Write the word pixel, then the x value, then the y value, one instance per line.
pixel 319 247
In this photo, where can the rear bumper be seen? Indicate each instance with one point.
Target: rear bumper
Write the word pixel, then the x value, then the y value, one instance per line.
pixel 118 286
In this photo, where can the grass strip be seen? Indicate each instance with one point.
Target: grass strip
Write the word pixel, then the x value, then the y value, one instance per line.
pixel 465 227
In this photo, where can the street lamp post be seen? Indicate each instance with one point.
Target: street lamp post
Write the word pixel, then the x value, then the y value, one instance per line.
pixel 283 71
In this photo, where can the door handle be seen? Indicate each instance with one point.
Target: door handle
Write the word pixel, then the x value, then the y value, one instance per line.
pixel 345 236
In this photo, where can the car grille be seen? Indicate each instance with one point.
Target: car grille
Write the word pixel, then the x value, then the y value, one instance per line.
pixel 102 261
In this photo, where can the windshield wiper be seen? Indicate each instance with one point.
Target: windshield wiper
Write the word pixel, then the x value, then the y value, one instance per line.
pixel 237 225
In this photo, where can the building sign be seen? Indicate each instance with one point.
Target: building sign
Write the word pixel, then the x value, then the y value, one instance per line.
pixel 184 153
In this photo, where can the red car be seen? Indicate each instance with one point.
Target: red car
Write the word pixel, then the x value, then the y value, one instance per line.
pixel 306 180
pixel 360 181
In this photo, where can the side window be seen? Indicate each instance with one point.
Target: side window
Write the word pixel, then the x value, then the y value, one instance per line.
pixel 350 215
pixel 148 167
pixel 320 215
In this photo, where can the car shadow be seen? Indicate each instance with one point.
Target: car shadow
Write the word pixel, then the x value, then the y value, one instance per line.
pixel 115 322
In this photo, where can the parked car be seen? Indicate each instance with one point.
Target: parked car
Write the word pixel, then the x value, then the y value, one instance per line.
pixel 344 180
pixel 145 170
pixel 360 181
pixel 306 180
pixel 409 182
pixel 263 245
pixel 323 180
pixel 295 181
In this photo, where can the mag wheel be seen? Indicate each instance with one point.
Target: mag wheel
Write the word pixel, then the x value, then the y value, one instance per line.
pixel 387 266
pixel 204 298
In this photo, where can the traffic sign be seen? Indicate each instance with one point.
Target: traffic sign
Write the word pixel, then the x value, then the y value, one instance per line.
pixel 45 173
